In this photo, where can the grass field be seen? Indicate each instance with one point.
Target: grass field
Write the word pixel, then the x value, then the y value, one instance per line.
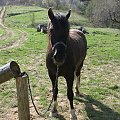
pixel 100 79
pixel 1 32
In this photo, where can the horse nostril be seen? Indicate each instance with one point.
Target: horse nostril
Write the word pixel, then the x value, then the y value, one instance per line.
pixel 58 58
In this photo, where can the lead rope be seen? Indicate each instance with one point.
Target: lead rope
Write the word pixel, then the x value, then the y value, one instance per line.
pixel 56 82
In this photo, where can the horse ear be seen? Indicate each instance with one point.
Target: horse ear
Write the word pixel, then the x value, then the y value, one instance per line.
pixel 50 14
pixel 68 14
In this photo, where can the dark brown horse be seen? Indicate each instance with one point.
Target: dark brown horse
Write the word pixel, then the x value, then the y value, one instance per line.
pixel 67 49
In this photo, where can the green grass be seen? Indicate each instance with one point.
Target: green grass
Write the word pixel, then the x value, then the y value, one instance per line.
pixel 1 31
pixel 34 44
pixel 103 45
pixel 78 20
pixel 100 78
pixel 22 9
pixel 25 20
pixel 10 39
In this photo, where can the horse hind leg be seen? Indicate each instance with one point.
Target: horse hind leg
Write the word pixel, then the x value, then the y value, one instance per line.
pixel 78 75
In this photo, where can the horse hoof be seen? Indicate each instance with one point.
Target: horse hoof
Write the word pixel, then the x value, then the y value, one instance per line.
pixel 73 115
pixel 53 114
pixel 73 118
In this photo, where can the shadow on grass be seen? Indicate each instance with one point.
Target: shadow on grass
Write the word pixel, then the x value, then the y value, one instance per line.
pixel 58 117
pixel 96 110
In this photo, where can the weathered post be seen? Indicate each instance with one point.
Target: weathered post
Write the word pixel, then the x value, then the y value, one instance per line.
pixel 22 96
pixel 9 71
pixel 12 70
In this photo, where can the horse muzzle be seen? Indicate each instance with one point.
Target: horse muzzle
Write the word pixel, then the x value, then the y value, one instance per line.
pixel 59 53
pixel 58 59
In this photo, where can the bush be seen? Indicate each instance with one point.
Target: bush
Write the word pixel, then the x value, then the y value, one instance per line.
pixel 104 13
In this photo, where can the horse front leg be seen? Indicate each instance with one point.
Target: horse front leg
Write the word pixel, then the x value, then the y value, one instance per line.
pixel 54 111
pixel 70 95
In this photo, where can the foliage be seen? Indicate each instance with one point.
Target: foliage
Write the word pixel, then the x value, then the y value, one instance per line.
pixel 51 3
pixel 104 13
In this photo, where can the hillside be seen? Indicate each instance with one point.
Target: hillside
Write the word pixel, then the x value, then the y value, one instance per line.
pixel 100 77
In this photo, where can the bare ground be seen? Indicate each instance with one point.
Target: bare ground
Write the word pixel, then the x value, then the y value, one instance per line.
pixel 82 105
pixel 17 42
pixel 2 15
pixel 9 32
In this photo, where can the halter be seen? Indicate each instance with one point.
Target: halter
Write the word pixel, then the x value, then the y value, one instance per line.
pixel 59 43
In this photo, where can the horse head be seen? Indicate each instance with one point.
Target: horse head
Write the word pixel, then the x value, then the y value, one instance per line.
pixel 58 30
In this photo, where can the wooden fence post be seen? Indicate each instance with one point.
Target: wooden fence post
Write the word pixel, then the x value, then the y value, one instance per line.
pixel 22 96
pixel 9 71
pixel 12 70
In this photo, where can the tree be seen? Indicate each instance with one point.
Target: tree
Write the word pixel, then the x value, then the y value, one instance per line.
pixel 57 4
pixel 114 13
pixel 24 2
pixel 48 3
pixel 104 13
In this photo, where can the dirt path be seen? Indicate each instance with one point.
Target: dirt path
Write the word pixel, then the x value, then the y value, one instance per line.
pixel 2 15
pixel 9 32
pixel 17 42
